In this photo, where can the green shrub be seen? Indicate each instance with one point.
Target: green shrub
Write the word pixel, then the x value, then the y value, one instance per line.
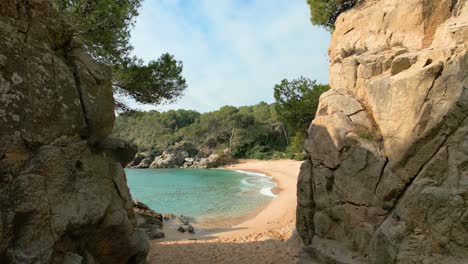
pixel 296 102
pixel 297 143
pixel 325 12
pixel 300 156
pixel 277 155
pixel 364 135
pixel 282 155
pixel 288 155
pixel 255 150
pixel 259 155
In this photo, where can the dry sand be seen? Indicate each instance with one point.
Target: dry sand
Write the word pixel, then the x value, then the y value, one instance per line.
pixel 267 237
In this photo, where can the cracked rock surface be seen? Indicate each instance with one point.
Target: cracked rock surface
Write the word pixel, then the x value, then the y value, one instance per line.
pixel 387 178
pixel 63 191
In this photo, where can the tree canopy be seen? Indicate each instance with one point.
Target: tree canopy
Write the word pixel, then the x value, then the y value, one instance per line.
pixel 325 12
pixel 103 26
pixel 247 131
pixel 296 103
pixel 152 83
pixel 259 131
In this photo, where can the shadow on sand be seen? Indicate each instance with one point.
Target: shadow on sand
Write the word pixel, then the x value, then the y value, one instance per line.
pixel 224 251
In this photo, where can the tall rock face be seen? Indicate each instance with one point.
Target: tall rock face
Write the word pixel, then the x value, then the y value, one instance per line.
pixel 387 178
pixel 63 191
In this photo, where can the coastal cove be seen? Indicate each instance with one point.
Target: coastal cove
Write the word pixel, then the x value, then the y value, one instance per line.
pixel 226 132
pixel 207 196
pixel 273 223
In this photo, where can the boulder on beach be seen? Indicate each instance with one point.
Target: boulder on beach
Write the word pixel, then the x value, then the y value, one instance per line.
pixel 148 220
pixel 168 217
pixel 186 229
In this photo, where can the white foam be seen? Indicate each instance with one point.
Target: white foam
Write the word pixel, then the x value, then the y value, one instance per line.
pixel 252 173
pixel 246 182
pixel 267 191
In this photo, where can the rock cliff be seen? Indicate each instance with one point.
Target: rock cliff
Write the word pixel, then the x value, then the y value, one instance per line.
pixel 63 191
pixel 387 178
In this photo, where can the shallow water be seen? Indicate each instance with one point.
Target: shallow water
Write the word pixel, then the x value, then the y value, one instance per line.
pixel 199 193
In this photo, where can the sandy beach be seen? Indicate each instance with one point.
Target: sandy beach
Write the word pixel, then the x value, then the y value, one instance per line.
pixel 266 237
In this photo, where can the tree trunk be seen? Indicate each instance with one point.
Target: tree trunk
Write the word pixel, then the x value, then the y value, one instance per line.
pixel 231 138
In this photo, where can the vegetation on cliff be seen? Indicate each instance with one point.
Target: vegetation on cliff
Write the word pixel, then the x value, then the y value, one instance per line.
pixel 325 12
pixel 249 131
pixel 260 131
pixel 104 28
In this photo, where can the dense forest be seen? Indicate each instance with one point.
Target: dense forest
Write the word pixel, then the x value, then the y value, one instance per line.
pixel 262 131
pixel 248 131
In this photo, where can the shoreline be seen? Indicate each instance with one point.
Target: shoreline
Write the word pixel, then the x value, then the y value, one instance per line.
pixel 267 232
pixel 282 173
pixel 275 190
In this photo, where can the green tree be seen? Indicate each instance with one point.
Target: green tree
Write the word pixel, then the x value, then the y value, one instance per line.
pixel 103 27
pixel 297 102
pixel 159 81
pixel 325 12
pixel 297 143
pixel 249 131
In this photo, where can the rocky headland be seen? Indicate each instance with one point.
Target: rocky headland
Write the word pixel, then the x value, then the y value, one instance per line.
pixel 182 155
pixel 387 177
pixel 166 160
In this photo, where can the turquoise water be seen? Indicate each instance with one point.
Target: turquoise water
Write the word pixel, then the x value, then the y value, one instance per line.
pixel 200 193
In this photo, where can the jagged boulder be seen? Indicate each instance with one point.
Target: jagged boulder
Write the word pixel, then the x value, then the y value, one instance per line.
pixel 170 159
pixel 142 160
pixel 387 180
pixel 148 220
pixel 186 229
pixel 63 191
pixel 119 150
pixel 136 160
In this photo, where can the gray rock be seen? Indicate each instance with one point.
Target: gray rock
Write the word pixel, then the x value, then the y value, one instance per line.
pixel 61 188
pixel 155 233
pixel 140 205
pixel 95 93
pixel 72 258
pixel 142 246
pixel 186 229
pixel 143 158
pixel 148 220
pixel 170 159
pixel 119 150
pixel 145 163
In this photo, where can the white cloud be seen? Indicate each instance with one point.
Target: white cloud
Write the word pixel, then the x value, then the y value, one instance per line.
pixel 233 51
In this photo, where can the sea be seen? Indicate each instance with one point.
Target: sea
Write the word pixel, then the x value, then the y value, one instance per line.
pixel 212 197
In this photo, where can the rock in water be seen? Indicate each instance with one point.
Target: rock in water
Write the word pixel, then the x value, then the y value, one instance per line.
pixel 387 178
pixel 63 191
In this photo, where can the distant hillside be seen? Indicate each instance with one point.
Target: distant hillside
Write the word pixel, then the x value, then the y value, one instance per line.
pixel 244 132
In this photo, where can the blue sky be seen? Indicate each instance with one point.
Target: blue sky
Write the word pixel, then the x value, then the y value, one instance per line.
pixel 233 51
